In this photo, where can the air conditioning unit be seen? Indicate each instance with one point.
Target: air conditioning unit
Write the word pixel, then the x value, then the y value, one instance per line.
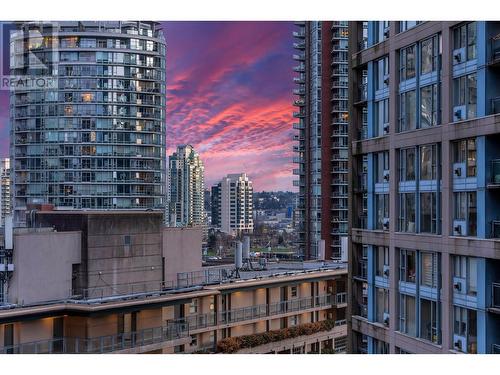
pixel 386 128
pixel 386 79
pixel 386 319
pixel 458 285
pixel 459 228
pixel 459 113
pixel 459 343
pixel 386 271
pixel 458 56
pixel 458 170
pixel 385 223
pixel 386 175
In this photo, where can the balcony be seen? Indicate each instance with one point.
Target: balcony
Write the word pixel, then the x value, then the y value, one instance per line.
pixel 299 46
pixel 299 114
pixel 299 57
pixel 299 68
pixel 122 342
pixel 299 34
pixel 298 126
pixel 495 105
pixel 299 91
pixel 278 308
pixel 299 103
pixel 195 322
pixel 298 80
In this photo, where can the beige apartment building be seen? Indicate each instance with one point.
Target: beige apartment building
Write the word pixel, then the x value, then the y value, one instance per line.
pixel 121 282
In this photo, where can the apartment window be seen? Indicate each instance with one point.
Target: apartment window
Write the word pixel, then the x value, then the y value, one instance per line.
pixel 429 269
pixel 382 261
pixel 429 320
pixel 430 53
pixel 406 25
pixel 465 268
pixel 381 160
pixel 408 266
pixel 407 164
pixel 464 152
pixel 193 306
pixel 464 37
pixel 428 213
pixel 382 30
pixel 380 347
pixel 429 115
pixel 381 117
pixel 465 330
pixel 428 162
pixel 465 97
pixel 407 63
pixel 407 111
pixel 382 210
pixel 294 320
pixel 465 213
pixel 293 291
pixel 382 73
pixel 8 338
pixel 382 305
pixel 407 315
pixel 407 212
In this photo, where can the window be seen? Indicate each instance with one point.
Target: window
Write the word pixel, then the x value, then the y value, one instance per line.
pixel 382 210
pixel 193 306
pixel 428 213
pixel 406 25
pixel 465 326
pixel 380 347
pixel 194 340
pixel 407 111
pixel 464 151
pixel 464 36
pixel 429 267
pixel 382 73
pixel 429 107
pixel 407 212
pixel 381 117
pixel 407 266
pixel 430 54
pixel 465 209
pixel 382 259
pixel 407 164
pixel 429 320
pixel 382 30
pixel 87 43
pixel 465 95
pixel 381 160
pixel 407 63
pixel 293 291
pixel 428 161
pixel 407 315
pixel 465 268
pixel 382 305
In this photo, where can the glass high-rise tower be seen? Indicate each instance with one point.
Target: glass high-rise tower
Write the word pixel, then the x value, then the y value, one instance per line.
pixel 94 138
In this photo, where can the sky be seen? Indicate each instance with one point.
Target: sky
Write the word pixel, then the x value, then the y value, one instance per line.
pixel 229 95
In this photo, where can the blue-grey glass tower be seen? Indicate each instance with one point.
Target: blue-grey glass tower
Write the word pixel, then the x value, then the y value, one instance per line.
pixel 95 137
pixel 424 265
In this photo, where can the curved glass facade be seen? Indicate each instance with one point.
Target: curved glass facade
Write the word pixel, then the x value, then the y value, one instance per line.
pixel 94 138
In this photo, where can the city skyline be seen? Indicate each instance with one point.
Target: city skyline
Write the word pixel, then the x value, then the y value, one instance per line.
pixel 235 108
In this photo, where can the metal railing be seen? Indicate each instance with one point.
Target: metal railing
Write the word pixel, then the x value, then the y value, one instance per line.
pixel 495 106
pixel 102 344
pixel 196 321
pixel 495 349
pixel 495 295
pixel 101 292
pixel 261 311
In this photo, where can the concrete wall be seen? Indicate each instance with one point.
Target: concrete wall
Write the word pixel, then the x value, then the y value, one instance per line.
pixel 43 266
pixel 182 251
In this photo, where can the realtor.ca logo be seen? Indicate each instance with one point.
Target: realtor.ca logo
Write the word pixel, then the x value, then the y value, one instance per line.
pixel 29 55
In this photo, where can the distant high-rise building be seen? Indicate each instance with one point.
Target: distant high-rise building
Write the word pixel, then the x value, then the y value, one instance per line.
pixel 186 188
pixel 424 264
pixel 96 138
pixel 5 193
pixel 321 149
pixel 232 204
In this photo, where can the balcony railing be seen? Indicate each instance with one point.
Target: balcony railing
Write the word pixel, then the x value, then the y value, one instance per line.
pixel 262 311
pixel 495 297
pixel 495 349
pixel 495 49
pixel 121 290
pixel 196 321
pixel 102 344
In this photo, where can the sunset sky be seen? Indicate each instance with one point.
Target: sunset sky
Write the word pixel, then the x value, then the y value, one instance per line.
pixel 229 94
